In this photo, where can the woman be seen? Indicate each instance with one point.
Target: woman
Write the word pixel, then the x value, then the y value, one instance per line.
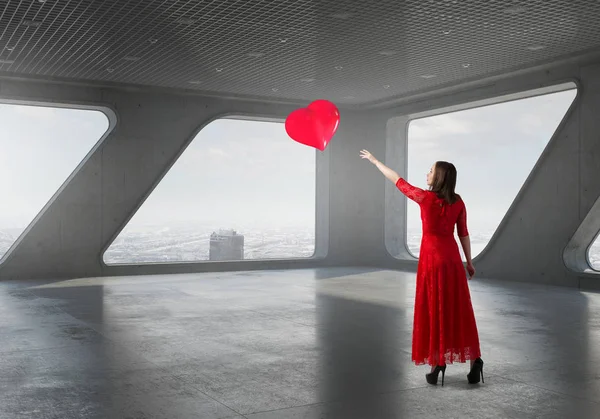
pixel 444 328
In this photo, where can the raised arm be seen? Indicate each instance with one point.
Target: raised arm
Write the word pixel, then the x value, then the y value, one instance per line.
pixel 411 192
pixel 387 172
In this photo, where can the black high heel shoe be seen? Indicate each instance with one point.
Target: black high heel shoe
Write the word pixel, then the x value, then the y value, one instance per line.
pixel 432 377
pixel 476 372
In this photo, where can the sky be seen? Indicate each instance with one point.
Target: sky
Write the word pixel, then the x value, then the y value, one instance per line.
pixel 237 173
pixel 250 173
pixel 234 172
pixel 39 148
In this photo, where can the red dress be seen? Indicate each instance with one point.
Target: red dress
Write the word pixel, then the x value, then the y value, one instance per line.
pixel 444 328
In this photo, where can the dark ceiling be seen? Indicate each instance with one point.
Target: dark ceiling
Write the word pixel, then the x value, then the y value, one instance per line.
pixel 351 52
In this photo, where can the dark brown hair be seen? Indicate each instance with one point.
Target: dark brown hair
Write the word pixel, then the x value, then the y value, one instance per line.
pixel 444 181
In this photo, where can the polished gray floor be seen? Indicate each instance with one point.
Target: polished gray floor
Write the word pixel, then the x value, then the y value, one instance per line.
pixel 328 343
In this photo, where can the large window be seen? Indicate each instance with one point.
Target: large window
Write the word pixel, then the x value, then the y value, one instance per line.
pixel 594 254
pixel 494 148
pixel 39 148
pixel 241 190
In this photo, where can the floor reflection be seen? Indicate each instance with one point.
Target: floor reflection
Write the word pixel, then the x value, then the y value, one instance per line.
pixel 358 342
pixel 330 343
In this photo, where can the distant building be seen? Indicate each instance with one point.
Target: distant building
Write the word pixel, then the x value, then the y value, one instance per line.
pixel 226 245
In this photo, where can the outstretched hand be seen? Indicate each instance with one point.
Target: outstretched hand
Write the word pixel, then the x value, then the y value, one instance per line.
pixel 364 154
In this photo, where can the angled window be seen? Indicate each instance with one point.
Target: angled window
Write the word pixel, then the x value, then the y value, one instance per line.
pixel 593 255
pixel 582 252
pixel 40 147
pixel 241 190
pixel 494 148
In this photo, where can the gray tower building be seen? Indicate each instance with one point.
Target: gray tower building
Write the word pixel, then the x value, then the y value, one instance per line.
pixel 226 245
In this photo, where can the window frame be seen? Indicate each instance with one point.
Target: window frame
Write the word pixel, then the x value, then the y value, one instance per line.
pixel 587 254
pixel 487 100
pixel 112 119
pixel 321 205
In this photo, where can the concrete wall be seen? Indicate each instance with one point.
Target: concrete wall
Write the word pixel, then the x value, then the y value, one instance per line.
pixel 153 129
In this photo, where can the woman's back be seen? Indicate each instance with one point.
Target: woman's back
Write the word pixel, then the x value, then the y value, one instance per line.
pixel 437 215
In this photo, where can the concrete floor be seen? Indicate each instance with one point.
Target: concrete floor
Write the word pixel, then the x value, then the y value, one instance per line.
pixel 328 343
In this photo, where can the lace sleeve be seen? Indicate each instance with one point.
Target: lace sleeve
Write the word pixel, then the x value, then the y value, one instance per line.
pixel 411 192
pixel 461 223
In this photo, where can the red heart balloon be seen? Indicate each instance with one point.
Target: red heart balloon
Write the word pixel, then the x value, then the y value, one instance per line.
pixel 314 125
pixel 329 115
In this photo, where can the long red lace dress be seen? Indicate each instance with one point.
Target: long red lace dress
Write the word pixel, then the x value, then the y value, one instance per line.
pixel 444 328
